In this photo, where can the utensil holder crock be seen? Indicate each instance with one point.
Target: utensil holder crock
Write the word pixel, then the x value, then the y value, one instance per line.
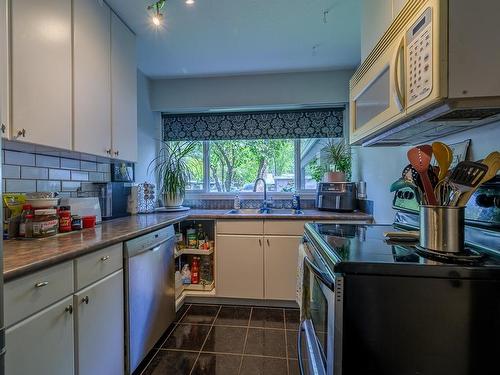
pixel 442 228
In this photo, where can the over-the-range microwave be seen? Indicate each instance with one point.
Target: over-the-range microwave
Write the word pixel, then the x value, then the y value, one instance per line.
pixel 434 72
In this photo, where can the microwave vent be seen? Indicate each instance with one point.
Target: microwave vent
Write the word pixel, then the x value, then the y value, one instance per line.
pixel 468 114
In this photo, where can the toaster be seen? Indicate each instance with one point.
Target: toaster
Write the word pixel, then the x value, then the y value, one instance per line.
pixel 337 196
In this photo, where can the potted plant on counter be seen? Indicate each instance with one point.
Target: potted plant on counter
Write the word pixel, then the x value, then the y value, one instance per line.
pixel 172 167
pixel 338 155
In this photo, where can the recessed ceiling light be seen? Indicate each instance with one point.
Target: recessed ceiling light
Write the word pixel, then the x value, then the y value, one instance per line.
pixel 189 2
pixel 156 20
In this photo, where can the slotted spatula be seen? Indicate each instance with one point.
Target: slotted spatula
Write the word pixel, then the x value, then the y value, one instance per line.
pixel 492 161
pixel 465 176
pixel 420 159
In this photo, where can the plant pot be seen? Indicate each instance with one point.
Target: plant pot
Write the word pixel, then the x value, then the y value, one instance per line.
pixel 334 177
pixel 173 200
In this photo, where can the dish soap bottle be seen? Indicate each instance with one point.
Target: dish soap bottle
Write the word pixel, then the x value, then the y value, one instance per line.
pixel 237 204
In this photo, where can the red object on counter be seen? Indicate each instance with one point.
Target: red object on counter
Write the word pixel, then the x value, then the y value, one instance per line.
pixel 195 271
pixel 88 222
pixel 64 221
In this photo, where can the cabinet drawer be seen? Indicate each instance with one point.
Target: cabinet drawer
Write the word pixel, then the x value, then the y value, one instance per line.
pixel 285 227
pixel 238 226
pixel 95 266
pixel 32 293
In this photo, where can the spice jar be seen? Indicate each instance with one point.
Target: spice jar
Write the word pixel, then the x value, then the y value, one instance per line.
pixel 64 221
pixel 45 223
pixel 76 222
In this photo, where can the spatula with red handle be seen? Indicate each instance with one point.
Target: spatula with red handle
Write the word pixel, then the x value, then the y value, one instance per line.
pixel 420 159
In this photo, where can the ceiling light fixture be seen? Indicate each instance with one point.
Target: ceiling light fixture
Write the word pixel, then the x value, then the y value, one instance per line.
pixel 189 2
pixel 157 15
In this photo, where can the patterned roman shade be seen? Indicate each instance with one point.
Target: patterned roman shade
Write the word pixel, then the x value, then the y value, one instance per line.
pixel 311 123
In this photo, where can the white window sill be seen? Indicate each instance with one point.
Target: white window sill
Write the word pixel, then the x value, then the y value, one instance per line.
pixel 248 195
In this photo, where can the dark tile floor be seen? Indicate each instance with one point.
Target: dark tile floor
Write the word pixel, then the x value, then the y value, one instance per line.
pixel 214 340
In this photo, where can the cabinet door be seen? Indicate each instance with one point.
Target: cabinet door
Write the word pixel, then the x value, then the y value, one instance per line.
pixel 4 70
pixel 100 327
pixel 41 71
pixel 123 91
pixel 280 267
pixel 42 344
pixel 240 268
pixel 92 77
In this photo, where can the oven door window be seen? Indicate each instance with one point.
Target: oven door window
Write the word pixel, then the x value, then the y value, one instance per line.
pixel 318 313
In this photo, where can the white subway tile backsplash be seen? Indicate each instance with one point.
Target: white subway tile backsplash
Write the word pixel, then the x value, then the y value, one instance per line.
pixel 59 174
pixel 34 173
pixel 70 186
pixel 70 163
pixel 53 186
pixel 79 176
pixel 88 166
pixel 96 177
pixel 47 161
pixel 11 171
pixel 19 158
pixel 20 186
pixel 104 167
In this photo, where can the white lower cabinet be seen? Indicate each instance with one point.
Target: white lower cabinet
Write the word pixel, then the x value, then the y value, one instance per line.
pixel 99 327
pixel 280 267
pixel 240 271
pixel 43 343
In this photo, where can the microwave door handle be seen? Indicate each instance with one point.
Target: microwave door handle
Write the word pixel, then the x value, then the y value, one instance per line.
pixel 399 95
pixel 319 274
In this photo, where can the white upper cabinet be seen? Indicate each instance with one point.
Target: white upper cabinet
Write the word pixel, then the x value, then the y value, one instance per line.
pixel 92 77
pixel 41 71
pixel 4 71
pixel 123 91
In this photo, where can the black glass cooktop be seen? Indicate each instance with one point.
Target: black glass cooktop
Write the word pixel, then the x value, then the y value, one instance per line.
pixel 364 249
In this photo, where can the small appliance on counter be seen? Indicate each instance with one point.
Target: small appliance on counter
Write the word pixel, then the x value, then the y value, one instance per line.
pixel 337 196
pixel 146 198
pixel 114 199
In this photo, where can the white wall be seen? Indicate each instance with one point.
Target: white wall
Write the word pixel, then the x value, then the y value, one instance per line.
pixel 287 89
pixel 149 130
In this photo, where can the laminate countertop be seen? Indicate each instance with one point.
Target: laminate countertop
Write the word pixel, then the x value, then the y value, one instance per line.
pixel 22 257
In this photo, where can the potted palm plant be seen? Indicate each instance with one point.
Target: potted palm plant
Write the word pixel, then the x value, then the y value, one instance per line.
pixel 338 155
pixel 172 168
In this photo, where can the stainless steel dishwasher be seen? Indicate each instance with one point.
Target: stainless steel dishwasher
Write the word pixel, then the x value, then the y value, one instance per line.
pixel 149 292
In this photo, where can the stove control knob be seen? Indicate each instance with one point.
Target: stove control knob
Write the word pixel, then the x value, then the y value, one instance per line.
pixel 408 195
pixel 486 201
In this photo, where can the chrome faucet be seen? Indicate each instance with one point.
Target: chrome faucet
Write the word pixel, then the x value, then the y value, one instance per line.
pixel 264 207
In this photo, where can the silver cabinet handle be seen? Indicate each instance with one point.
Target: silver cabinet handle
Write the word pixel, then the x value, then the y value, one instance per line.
pixel 69 309
pixel 108 151
pixel 85 300
pixel 105 258
pixel 268 244
pixel 41 284
pixel 260 242
pixel 4 128
pixel 117 153
pixel 21 133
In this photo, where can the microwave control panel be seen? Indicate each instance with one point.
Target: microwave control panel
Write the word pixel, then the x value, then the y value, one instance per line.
pixel 419 58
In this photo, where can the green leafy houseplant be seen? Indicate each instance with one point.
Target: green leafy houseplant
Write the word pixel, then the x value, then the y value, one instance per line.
pixel 173 170
pixel 338 155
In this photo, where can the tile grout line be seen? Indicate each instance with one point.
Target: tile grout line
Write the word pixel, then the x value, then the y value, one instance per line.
pixel 206 338
pixel 164 341
pixel 246 338
pixel 286 343
pixel 224 353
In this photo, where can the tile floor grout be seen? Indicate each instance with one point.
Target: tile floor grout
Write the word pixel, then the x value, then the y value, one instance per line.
pixel 206 338
pixel 213 325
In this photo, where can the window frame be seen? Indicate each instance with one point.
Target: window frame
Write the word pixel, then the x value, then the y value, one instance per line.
pixel 205 193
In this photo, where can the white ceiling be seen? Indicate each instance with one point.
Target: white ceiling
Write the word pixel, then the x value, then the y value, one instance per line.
pixel 228 37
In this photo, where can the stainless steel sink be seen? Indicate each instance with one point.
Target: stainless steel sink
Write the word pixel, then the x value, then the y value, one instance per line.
pixel 269 211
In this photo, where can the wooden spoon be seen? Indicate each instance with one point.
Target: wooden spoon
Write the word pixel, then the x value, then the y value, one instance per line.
pixel 444 156
pixel 492 161
pixel 420 159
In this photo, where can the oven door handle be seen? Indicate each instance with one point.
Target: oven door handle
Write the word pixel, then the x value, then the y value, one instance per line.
pixel 319 274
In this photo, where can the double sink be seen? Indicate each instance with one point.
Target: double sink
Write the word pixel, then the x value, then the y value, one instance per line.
pixel 268 211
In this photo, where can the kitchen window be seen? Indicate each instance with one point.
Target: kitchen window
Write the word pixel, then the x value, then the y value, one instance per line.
pixel 234 149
